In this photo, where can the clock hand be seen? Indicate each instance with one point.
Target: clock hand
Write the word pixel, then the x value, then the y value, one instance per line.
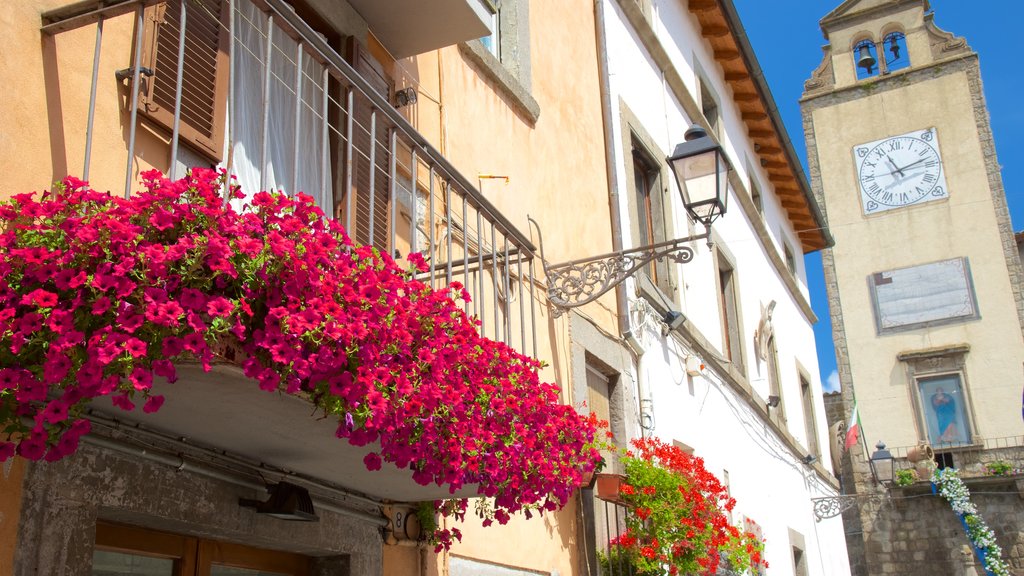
pixel 895 167
pixel 916 162
pixel 899 181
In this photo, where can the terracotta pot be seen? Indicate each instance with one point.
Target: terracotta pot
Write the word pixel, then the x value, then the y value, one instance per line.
pixel 608 486
pixel 920 452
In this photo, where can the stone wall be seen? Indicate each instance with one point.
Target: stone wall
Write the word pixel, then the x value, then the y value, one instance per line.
pixel 64 500
pixel 917 534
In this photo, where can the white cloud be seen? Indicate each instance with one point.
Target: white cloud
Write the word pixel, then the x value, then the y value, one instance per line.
pixel 832 382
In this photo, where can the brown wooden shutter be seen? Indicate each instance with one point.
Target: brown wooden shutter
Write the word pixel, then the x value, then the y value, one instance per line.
pixel 363 201
pixel 205 76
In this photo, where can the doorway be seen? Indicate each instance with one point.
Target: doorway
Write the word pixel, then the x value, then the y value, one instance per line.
pixel 131 551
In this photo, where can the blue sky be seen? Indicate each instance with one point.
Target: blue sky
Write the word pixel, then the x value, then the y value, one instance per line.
pixel 787 40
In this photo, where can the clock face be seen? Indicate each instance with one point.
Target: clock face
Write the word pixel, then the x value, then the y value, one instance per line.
pixel 900 171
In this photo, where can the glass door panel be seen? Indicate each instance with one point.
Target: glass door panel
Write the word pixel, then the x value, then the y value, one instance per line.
pixel 108 563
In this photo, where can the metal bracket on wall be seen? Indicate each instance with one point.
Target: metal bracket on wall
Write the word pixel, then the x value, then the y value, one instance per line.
pixel 832 506
pixel 578 282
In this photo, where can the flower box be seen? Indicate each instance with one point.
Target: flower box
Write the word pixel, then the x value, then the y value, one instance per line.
pixel 608 486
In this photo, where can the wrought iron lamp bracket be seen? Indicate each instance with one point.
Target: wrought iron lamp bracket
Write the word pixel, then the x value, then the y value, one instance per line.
pixel 582 281
pixel 832 506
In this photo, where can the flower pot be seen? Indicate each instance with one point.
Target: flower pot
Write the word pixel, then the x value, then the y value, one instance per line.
pixel 608 486
pixel 920 453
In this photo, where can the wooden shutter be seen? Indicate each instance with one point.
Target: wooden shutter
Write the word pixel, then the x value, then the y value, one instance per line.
pixel 363 202
pixel 205 76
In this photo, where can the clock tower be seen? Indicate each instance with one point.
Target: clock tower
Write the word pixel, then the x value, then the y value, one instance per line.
pixel 924 285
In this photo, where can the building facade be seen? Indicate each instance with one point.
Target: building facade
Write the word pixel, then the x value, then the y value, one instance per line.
pixel 923 280
pixel 424 130
pixel 482 137
pixel 720 349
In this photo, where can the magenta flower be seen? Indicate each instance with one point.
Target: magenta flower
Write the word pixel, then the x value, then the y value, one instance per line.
pixel 129 286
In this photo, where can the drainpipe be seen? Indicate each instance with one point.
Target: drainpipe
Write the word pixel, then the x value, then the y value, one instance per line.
pixel 622 307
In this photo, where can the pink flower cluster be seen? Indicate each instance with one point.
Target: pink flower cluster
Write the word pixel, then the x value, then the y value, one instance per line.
pixel 100 295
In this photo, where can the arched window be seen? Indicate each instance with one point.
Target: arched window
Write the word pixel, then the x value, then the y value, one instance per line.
pixel 894 47
pixel 866 59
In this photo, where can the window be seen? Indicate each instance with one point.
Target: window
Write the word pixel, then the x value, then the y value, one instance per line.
pixel 943 406
pixel 731 340
pixel 264 154
pixel 205 71
pixel 709 106
pixel 650 214
pixel 755 196
pixel 790 258
pixel 493 42
pixel 799 562
pixel 940 392
pixel 129 550
pixel 810 422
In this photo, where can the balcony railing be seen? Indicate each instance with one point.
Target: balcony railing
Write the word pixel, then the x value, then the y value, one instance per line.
pixel 249 86
pixel 971 459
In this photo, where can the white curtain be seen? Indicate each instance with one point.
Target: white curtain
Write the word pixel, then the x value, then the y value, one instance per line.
pixel 310 174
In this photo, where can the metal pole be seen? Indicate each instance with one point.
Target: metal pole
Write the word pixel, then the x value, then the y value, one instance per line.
pixel 392 186
pixel 494 281
pixel 533 309
pixel 480 272
pixel 134 115
pixel 325 153
pixel 294 188
pixel 415 201
pixel 92 97
pixel 430 226
pixel 373 173
pixel 176 131
pixel 448 232
pixel 349 127
pixel 231 98
pixel 465 252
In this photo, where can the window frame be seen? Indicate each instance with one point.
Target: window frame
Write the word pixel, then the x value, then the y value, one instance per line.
pixel 938 363
pixel 810 416
pixel 729 308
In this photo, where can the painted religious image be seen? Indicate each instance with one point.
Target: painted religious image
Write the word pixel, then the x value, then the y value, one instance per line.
pixel 944 409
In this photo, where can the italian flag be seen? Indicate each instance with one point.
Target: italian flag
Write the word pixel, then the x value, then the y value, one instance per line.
pixel 853 427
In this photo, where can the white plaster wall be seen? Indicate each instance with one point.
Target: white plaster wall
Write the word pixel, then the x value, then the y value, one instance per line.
pixel 770 483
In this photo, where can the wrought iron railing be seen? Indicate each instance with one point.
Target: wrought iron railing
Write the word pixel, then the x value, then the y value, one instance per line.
pixel 299 117
pixel 972 460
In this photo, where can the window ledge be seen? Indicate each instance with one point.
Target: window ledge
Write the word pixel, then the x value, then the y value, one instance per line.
pixel 510 86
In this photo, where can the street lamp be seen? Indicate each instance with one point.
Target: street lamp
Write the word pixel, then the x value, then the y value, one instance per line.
pixel 701 170
pixel 881 462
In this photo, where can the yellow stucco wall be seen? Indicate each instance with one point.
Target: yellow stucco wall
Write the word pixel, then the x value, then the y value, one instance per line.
pixel 964 225
pixel 556 169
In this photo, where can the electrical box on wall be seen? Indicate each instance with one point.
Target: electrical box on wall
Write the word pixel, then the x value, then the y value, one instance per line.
pixel 694 366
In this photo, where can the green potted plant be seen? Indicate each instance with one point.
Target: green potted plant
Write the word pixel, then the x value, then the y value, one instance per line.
pixel 906 477
pixel 999 468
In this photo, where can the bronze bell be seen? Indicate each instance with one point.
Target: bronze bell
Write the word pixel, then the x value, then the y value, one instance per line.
pixel 866 60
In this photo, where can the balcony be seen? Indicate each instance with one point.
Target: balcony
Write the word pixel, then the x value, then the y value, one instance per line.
pixel 250 87
pixel 424 26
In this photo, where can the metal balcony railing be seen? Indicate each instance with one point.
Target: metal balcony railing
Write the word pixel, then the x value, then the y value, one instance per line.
pixel 295 115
